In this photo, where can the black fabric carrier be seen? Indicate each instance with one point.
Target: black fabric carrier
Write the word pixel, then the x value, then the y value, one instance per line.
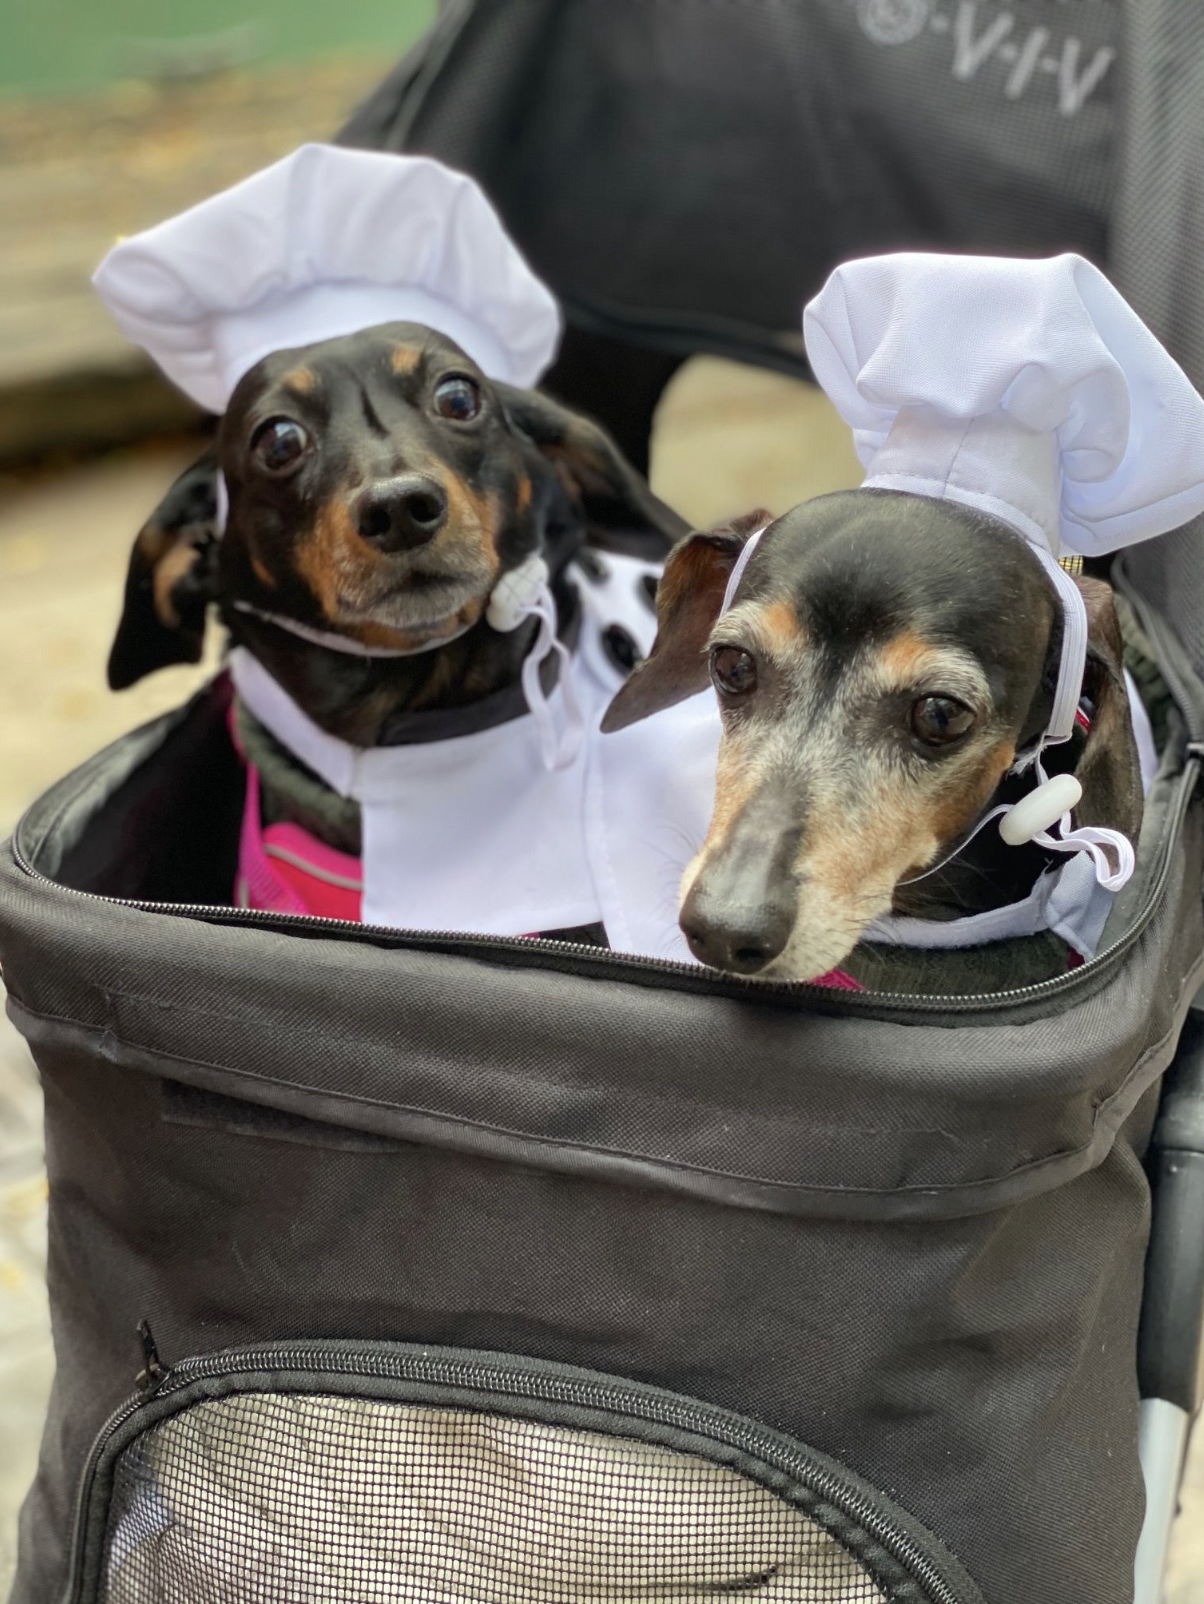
pixel 488 1270
pixel 685 173
pixel 481 1270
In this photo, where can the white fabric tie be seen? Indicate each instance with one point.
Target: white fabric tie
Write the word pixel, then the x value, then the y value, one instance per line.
pixel 559 750
pixel 1093 840
pixel 524 593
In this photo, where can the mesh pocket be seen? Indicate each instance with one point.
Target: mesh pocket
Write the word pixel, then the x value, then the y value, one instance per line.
pixel 306 1498
pixel 335 1472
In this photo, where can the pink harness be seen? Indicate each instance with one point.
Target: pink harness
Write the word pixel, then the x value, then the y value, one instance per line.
pixel 284 869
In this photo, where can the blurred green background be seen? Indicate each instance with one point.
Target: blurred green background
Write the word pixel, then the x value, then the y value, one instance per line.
pixel 64 45
pixel 115 114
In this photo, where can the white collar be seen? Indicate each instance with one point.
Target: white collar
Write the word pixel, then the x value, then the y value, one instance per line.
pixel 1067 899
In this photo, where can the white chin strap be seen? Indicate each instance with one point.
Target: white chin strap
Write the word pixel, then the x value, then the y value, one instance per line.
pixel 1043 816
pixel 520 594
pixel 1036 816
pixel 344 643
pixel 737 573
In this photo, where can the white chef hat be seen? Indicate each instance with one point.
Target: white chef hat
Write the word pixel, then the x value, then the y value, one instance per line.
pixel 321 244
pixel 1028 389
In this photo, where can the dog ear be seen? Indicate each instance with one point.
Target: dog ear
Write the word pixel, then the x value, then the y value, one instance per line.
pixel 171 579
pixel 1110 768
pixel 620 511
pixel 688 600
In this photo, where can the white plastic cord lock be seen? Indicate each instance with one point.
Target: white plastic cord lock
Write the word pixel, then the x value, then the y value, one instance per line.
pixel 515 594
pixel 1040 809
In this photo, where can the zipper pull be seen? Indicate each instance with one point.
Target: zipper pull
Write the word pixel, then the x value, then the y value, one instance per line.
pixel 153 1371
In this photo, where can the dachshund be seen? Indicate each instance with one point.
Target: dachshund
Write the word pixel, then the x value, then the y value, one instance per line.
pixel 378 486
pixel 884 660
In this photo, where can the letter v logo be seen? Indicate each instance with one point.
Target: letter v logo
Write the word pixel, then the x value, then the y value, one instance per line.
pixel 970 53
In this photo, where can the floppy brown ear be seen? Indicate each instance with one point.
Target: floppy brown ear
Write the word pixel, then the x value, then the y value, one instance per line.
pixel 171 579
pixel 688 600
pixel 1110 768
pixel 620 511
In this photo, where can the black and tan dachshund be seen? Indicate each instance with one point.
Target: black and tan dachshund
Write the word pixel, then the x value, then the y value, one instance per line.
pixel 885 660
pixel 378 486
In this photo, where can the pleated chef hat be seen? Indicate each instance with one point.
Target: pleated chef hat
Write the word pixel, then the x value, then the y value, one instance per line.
pixel 1028 389
pixel 321 244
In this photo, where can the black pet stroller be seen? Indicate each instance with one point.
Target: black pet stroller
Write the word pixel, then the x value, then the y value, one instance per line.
pixel 394 1266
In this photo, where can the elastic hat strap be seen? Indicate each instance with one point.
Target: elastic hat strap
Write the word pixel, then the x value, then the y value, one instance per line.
pixel 1095 840
pixel 737 573
pixel 1074 650
pixel 341 643
pixel 509 603
pixel 559 749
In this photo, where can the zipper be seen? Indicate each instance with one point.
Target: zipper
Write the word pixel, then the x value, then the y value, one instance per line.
pixel 468 942
pixel 1168 651
pixel 424 1368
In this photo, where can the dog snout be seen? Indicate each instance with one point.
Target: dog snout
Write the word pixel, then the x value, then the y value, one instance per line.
pixel 741 937
pixel 739 911
pixel 401 514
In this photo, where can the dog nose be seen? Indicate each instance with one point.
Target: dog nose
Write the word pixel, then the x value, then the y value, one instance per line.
pixel 403 513
pixel 741 939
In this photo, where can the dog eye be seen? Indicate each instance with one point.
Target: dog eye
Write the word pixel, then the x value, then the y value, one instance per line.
pixel 458 398
pixel 279 444
pixel 939 720
pixel 733 671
